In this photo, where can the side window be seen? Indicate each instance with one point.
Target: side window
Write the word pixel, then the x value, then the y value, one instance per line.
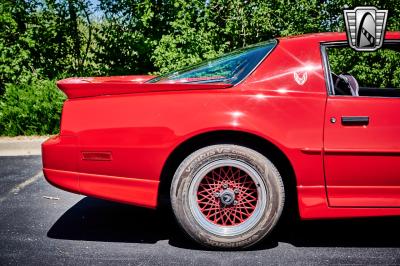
pixel 370 74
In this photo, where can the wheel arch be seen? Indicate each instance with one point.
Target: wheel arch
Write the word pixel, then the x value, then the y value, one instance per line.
pixel 250 140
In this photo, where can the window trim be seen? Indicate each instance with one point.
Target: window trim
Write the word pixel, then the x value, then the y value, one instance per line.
pixel 327 69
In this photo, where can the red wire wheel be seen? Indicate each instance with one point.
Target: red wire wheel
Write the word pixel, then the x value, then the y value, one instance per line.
pixel 227 197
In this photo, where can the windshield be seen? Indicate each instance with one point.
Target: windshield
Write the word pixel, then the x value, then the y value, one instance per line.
pixel 230 68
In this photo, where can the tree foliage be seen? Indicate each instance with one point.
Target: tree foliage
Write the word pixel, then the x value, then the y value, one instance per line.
pixel 31 109
pixel 52 39
pixel 56 38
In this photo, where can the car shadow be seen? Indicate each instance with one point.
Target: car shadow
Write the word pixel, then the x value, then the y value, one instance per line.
pixel 99 220
pixel 94 219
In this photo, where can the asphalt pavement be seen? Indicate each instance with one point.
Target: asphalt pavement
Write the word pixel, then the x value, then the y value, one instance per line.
pixel 42 225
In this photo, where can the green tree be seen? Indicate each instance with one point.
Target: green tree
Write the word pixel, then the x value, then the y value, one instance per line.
pixel 43 40
pixel 130 30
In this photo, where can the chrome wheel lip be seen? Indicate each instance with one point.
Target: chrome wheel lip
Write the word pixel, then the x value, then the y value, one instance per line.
pixel 235 230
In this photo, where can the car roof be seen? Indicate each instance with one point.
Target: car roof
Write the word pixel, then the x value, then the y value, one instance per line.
pixel 331 36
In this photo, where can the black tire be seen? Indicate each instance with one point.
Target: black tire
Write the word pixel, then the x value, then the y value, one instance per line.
pixel 265 171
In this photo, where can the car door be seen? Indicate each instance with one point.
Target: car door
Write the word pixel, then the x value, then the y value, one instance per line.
pixel 362 147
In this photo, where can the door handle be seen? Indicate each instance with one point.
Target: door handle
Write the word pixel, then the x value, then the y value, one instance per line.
pixel 355 120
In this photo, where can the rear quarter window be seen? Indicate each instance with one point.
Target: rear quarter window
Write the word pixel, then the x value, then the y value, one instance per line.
pixel 230 68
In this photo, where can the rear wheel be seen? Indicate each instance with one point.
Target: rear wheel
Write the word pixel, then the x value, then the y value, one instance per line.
pixel 227 196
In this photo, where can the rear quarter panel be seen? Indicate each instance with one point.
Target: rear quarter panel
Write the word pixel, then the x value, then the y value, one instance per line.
pixel 142 129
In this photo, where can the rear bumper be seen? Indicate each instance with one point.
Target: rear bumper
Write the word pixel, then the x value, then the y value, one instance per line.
pixel 61 157
pixel 60 162
pixel 62 179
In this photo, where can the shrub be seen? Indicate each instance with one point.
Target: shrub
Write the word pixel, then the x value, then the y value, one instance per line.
pixel 31 108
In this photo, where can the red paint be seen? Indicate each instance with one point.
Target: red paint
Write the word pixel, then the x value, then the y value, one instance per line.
pixel 362 163
pixel 63 179
pixel 89 87
pixel 141 124
pixel 136 191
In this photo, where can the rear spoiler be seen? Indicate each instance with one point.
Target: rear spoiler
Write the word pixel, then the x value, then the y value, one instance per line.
pixel 90 87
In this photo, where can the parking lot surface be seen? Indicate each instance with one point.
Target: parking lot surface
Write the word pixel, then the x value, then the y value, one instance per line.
pixel 42 225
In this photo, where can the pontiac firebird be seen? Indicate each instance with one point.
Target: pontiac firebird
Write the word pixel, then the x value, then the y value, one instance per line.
pixel 232 142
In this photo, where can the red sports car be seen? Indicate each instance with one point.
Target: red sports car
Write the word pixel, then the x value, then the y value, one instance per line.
pixel 232 142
